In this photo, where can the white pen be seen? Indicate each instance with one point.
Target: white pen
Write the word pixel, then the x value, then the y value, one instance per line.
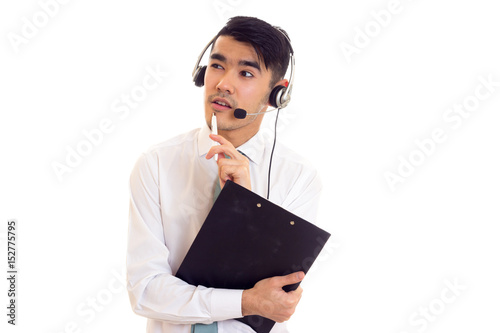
pixel 214 131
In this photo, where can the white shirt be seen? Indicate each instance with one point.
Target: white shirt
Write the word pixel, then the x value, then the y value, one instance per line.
pixel 171 189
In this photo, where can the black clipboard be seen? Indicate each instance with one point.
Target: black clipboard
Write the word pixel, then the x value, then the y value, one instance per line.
pixel 246 238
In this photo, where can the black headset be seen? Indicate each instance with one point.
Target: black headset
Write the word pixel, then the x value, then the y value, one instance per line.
pixel 280 95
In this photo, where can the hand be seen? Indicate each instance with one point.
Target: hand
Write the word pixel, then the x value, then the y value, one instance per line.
pixel 268 299
pixel 236 168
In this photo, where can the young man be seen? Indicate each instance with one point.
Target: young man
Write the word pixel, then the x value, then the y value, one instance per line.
pixel 173 184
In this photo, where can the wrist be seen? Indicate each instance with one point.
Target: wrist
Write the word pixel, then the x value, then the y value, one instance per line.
pixel 247 308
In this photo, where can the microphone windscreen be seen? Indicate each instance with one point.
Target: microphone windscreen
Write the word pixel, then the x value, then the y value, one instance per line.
pixel 240 113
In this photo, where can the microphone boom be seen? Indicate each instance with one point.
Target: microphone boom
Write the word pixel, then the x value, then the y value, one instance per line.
pixel 242 114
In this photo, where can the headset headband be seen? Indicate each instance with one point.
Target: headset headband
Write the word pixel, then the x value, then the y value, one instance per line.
pixel 280 95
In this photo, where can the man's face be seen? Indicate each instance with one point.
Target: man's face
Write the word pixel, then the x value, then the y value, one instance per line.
pixel 235 77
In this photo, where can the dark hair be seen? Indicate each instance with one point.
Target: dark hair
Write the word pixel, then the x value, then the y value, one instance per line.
pixel 269 42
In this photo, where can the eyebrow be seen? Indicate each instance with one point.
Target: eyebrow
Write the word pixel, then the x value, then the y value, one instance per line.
pixel 220 57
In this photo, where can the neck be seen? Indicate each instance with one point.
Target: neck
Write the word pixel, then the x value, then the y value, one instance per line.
pixel 238 137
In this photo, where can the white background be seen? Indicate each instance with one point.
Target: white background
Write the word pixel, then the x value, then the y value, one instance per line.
pixel 353 116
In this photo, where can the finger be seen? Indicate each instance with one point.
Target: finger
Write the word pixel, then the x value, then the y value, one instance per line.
pixel 290 279
pixel 234 162
pixel 230 171
pixel 227 147
pixel 215 150
pixel 237 172
pixel 297 292
pixel 220 139
pixel 225 150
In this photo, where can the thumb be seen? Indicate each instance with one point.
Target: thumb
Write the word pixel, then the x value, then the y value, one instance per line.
pixel 291 278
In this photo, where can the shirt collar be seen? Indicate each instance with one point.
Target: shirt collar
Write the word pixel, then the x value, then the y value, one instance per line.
pixel 253 149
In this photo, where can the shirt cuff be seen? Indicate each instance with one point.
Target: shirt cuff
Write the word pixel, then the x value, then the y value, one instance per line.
pixel 226 304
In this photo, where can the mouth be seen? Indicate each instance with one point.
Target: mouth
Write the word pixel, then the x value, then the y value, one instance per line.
pixel 221 104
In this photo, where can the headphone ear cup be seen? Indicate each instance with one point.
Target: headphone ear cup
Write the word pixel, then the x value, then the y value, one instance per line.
pixel 199 76
pixel 275 96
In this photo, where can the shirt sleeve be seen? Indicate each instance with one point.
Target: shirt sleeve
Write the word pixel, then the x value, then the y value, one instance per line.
pixel 153 290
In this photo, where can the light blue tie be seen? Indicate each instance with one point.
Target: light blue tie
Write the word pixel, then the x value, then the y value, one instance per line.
pixel 217 189
pixel 212 328
pixel 201 328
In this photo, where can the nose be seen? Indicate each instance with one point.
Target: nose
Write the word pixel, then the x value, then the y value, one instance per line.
pixel 225 84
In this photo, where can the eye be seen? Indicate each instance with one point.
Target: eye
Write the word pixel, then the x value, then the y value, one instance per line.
pixel 246 74
pixel 217 66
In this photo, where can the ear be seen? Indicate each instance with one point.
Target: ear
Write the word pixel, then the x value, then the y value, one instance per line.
pixel 272 96
pixel 283 82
